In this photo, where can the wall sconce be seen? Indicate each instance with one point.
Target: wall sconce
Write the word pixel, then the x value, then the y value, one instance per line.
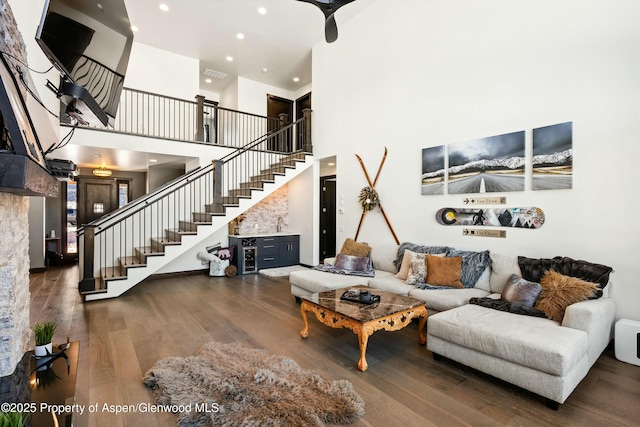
pixel 102 172
pixel 98 208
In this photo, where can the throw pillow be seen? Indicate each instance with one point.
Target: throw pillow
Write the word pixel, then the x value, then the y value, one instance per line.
pixel 502 267
pixel 417 249
pixel 404 267
pixel 521 291
pixel 533 269
pixel 417 268
pixel 444 271
pixel 560 291
pixel 351 247
pixel 353 263
pixel 473 265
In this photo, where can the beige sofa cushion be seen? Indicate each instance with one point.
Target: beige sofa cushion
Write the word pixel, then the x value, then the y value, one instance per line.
pixel 502 267
pixel 446 299
pixel 534 342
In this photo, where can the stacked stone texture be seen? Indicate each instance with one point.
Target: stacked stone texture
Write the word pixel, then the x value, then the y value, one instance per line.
pixel 15 329
pixel 15 333
pixel 263 217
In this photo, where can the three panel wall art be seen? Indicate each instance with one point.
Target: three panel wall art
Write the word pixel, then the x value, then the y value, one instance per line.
pixel 497 163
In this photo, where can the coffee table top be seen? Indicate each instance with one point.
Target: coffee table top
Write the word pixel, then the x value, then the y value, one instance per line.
pixel 390 303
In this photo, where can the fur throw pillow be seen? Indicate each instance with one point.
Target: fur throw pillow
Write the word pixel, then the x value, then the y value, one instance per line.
pixel 351 247
pixel 560 291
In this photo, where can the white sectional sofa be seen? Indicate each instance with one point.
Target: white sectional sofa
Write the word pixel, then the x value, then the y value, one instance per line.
pixel 541 355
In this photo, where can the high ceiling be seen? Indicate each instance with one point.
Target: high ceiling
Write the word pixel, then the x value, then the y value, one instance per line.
pixel 279 40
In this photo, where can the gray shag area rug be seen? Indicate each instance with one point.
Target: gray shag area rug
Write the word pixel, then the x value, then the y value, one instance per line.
pixel 231 385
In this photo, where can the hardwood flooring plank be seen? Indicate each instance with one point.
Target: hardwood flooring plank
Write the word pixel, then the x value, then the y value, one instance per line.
pixel 121 339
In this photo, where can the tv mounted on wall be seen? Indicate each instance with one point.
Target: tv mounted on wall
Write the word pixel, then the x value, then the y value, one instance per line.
pixel 90 44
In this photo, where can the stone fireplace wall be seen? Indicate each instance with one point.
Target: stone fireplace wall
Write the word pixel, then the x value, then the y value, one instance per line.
pixel 15 334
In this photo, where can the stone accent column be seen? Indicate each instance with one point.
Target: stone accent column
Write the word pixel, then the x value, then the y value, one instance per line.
pixel 15 332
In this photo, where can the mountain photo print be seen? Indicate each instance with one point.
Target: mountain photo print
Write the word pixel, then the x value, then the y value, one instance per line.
pixel 433 170
pixel 553 157
pixel 487 165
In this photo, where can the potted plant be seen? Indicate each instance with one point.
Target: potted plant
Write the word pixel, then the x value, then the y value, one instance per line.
pixel 13 419
pixel 44 334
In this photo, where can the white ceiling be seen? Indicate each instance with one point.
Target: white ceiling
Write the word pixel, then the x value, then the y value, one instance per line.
pixel 280 40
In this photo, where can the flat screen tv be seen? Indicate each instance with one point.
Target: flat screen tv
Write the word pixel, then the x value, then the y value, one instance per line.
pixel 90 44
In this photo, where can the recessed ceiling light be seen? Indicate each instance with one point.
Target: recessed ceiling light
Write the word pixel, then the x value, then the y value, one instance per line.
pixel 264 70
pixel 99 6
pixel 229 58
pixel 134 28
pixel 207 80
pixel 240 36
pixel 164 7
pixel 152 160
pixel 262 10
pixel 97 156
pixel 296 79
pixel 331 164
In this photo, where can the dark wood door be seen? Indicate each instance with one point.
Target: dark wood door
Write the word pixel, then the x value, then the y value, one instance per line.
pixel 277 106
pixel 327 217
pixel 96 197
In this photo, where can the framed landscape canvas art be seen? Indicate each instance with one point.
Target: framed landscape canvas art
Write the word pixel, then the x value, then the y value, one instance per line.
pixel 553 157
pixel 487 165
pixel 432 170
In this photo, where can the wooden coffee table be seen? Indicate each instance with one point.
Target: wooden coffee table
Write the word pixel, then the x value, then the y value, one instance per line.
pixel 392 313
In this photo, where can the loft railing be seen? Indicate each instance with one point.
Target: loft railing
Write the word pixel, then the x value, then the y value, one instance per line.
pixel 158 116
pixel 111 244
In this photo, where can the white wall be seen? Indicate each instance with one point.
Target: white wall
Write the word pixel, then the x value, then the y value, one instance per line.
pixel 443 72
pixel 165 73
pixel 252 96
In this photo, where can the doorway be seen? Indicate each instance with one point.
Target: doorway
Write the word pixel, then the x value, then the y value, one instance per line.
pixel 327 217
pixel 96 197
pixel 275 107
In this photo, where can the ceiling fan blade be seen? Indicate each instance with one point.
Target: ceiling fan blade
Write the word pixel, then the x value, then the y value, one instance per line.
pixel 330 29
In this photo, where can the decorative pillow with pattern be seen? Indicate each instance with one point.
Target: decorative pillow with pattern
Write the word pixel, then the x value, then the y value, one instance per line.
pixel 417 249
pixel 417 268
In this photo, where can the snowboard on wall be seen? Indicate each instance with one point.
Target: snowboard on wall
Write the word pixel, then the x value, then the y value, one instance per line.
pixel 518 217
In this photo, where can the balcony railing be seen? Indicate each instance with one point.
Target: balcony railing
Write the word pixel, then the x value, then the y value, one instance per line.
pixel 158 116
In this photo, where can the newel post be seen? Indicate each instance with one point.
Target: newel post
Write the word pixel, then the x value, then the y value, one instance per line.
pixel 199 118
pixel 88 280
pixel 217 204
pixel 307 145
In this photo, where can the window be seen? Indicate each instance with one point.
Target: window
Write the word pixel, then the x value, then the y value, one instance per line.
pixel 123 193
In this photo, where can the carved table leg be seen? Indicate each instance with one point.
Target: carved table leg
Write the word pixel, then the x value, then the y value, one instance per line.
pixel 422 322
pixel 363 339
pixel 305 331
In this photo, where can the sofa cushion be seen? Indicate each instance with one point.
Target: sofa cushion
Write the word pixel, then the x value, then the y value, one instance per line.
pixel 383 257
pixel 444 271
pixel 521 291
pixel 560 291
pixel 502 267
pixel 534 342
pixel 388 282
pixel 473 265
pixel 441 299
pixel 319 281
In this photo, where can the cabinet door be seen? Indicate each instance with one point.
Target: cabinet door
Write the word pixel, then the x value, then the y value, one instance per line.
pixel 291 250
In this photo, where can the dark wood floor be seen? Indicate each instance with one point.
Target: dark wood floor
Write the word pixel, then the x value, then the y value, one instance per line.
pixel 122 338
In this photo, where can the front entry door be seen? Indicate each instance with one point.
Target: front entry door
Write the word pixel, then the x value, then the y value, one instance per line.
pixel 96 197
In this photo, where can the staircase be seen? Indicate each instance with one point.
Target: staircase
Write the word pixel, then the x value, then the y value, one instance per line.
pixel 120 250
